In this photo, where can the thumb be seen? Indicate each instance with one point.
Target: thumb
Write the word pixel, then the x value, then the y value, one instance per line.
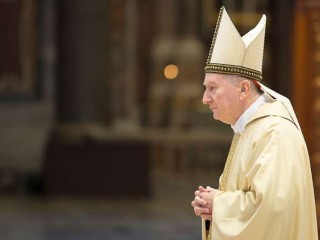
pixel 202 189
pixel 209 189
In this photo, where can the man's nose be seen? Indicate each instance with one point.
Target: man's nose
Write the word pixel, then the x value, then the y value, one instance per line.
pixel 205 98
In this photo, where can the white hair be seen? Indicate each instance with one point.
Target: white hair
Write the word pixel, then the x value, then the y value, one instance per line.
pixel 236 79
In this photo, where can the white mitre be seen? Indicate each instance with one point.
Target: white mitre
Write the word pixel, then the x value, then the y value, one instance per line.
pixel 232 54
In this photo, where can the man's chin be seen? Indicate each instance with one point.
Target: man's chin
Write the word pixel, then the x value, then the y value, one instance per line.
pixel 215 117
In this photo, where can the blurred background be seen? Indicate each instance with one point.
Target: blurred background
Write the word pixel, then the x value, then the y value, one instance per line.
pixel 103 133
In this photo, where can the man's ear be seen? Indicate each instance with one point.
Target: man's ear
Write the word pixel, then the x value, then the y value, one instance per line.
pixel 244 89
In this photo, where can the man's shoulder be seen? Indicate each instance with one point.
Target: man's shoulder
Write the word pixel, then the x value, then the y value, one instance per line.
pixel 272 116
pixel 272 110
pixel 274 128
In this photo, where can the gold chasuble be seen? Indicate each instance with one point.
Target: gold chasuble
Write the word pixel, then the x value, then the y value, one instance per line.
pixel 266 190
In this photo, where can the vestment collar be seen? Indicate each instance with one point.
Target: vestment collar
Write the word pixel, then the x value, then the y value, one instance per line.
pixel 241 123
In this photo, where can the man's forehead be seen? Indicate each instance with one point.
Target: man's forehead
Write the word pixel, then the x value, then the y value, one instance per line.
pixel 213 78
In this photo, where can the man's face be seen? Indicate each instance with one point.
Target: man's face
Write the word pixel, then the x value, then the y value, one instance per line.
pixel 223 98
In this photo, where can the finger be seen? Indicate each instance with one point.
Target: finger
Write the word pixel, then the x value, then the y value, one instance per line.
pixel 203 195
pixel 200 210
pixel 199 201
pixel 196 204
pixel 202 189
pixel 206 196
pixel 197 193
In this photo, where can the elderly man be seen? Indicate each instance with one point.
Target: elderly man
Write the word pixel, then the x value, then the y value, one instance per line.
pixel 266 190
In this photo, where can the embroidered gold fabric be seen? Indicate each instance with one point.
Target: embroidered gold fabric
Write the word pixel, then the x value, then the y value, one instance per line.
pixel 234 70
pixel 227 166
pixel 215 35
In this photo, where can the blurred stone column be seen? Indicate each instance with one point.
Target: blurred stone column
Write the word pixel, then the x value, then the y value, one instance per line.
pixel 123 74
pixel 209 14
pixel 82 90
pixel 306 85
pixel 163 54
pixel 190 59
pixel 27 42
pixel 96 89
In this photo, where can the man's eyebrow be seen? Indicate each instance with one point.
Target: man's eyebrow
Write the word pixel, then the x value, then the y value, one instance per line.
pixel 211 83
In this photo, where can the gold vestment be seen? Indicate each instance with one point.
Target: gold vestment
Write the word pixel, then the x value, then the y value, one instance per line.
pixel 266 189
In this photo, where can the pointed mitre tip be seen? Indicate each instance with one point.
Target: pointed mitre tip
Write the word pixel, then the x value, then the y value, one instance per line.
pixel 223 10
pixel 263 19
pixel 262 23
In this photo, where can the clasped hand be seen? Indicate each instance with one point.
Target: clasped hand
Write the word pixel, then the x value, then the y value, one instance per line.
pixel 203 202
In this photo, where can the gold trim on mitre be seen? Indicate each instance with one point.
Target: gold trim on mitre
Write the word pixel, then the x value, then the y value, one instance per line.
pixel 232 54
